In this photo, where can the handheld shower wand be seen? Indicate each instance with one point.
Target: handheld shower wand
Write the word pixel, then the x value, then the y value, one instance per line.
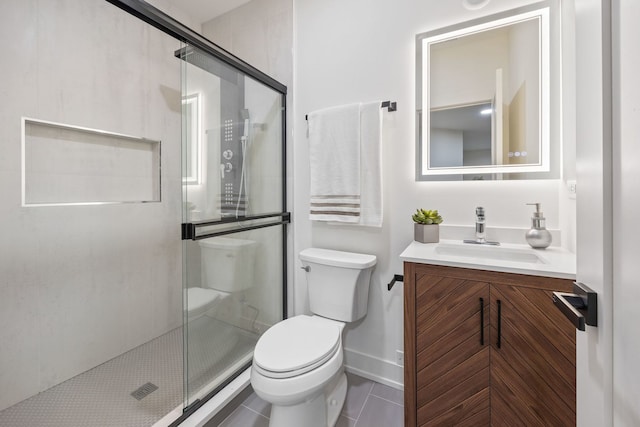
pixel 244 139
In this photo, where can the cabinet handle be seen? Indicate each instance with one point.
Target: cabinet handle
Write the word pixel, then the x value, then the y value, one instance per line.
pixel 481 321
pixel 499 323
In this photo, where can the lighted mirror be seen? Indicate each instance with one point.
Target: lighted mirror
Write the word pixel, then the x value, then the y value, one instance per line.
pixel 483 98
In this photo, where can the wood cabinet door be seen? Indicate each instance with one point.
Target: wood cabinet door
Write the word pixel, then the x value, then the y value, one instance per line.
pixel 509 361
pixel 533 372
pixel 452 347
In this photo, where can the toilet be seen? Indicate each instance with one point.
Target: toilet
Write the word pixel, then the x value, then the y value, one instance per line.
pixel 226 267
pixel 298 363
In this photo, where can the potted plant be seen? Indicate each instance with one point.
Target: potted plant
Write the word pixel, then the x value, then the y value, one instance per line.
pixel 426 228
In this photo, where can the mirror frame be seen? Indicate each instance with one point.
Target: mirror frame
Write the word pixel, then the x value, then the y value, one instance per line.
pixel 425 40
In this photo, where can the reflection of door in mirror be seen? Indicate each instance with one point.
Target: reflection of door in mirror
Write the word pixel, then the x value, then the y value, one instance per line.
pixel 499 138
pixel 461 136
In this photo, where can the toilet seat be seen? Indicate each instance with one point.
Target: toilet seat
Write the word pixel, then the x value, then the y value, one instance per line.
pixel 199 300
pixel 296 346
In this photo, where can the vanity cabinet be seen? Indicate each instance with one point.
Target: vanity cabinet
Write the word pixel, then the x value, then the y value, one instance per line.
pixel 486 348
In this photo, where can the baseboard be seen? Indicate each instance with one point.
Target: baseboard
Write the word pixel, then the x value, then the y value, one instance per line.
pixel 374 368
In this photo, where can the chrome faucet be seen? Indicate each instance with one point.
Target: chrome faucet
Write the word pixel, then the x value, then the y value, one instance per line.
pixel 481 235
pixel 480 223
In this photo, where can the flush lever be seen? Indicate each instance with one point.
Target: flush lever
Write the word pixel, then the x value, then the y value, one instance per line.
pixel 306 268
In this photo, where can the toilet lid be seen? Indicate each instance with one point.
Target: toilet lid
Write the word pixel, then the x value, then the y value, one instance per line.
pixel 296 345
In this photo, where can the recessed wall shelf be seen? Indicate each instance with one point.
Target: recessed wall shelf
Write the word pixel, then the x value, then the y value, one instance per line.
pixel 72 165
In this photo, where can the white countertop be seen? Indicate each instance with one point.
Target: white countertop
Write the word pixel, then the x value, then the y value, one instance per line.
pixel 508 258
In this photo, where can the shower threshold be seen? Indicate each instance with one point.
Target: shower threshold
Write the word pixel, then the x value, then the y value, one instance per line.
pixel 211 408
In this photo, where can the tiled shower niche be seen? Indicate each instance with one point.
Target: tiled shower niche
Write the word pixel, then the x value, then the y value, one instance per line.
pixel 63 164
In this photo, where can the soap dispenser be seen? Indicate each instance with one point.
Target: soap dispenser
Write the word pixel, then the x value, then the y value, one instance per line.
pixel 538 237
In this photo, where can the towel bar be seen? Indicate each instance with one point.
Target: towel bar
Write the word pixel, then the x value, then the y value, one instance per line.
pixel 389 105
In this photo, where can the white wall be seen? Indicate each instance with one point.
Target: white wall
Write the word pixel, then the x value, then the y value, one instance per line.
pixel 176 11
pixel 82 284
pixel 365 50
pixel 568 131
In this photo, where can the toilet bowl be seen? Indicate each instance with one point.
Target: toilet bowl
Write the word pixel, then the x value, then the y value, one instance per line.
pixel 297 357
pixel 226 267
pixel 298 363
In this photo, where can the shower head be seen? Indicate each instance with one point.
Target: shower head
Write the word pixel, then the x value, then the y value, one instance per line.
pixel 205 61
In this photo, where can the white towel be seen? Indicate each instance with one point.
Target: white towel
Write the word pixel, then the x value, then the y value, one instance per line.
pixel 334 154
pixel 370 164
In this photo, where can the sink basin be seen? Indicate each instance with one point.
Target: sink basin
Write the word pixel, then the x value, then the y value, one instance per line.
pixel 490 253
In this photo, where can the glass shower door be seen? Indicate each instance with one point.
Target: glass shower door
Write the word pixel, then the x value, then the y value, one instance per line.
pixel 234 218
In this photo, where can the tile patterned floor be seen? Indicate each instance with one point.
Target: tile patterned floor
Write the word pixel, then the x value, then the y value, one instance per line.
pixel 368 404
pixel 101 396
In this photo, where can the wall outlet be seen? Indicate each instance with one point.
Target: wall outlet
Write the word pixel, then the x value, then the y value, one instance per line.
pixel 572 187
pixel 399 357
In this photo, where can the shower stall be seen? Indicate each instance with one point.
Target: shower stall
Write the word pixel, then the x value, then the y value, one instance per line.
pixel 234 217
pixel 144 216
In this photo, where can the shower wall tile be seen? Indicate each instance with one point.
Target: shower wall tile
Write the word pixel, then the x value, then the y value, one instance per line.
pixel 259 32
pixel 175 10
pixel 18 318
pixel 18 34
pixel 280 39
pixel 137 292
pixel 82 284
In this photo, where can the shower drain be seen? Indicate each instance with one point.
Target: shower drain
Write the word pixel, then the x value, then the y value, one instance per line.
pixel 144 391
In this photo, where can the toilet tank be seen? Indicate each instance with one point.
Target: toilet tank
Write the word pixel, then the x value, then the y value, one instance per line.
pixel 338 282
pixel 227 264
